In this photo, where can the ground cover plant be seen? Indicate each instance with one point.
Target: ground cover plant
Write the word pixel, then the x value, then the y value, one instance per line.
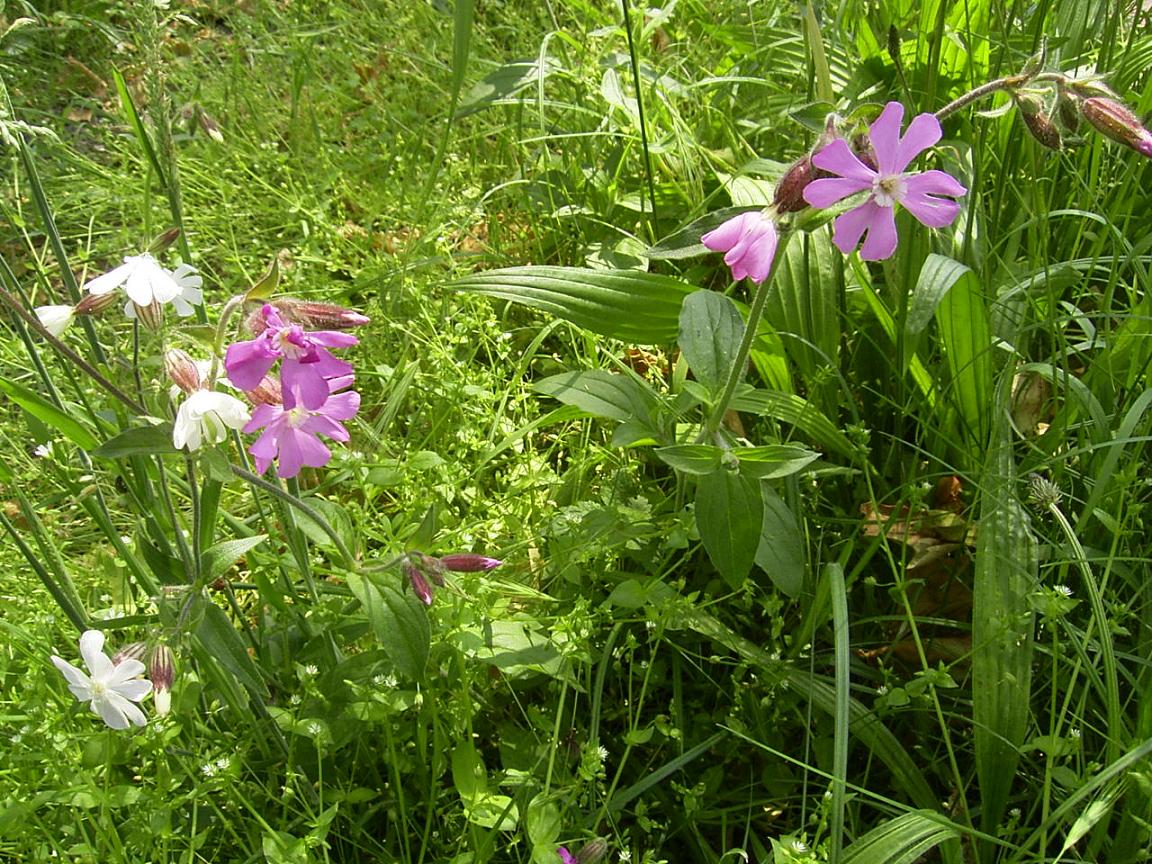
pixel 575 431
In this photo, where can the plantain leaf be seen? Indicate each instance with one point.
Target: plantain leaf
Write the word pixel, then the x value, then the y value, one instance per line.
pixel 796 411
pixel 633 306
pixel 967 337
pixel 901 840
pixel 601 394
pixel 48 414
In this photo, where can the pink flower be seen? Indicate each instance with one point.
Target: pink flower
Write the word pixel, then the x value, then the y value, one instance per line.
pixel 750 243
pixel 307 361
pixel 887 185
pixel 566 857
pixel 292 431
pixel 467 562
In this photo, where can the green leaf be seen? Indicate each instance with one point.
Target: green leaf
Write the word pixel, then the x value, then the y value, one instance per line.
pixel 633 306
pixel 729 514
pixel 710 332
pixel 601 394
pixel 780 552
pixel 505 82
pixel 967 338
pixel 48 414
pixel 542 820
pixel 469 775
pixel 685 243
pixel 220 639
pixel 217 559
pixel 796 411
pixel 773 460
pixel 138 441
pixel 399 621
pixel 901 840
pixel 698 459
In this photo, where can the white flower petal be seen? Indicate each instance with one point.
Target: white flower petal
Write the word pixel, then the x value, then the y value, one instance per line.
pixel 135 690
pixel 110 709
pixel 55 318
pixel 92 650
pixel 125 670
pixel 76 678
pixel 111 280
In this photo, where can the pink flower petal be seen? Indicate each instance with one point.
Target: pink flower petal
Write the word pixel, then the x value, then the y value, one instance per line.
pixel 881 240
pixel 319 424
pixel 830 190
pixel 248 362
pixel 850 227
pixel 931 211
pixel 727 235
pixel 923 132
pixel 751 258
pixel 884 134
pixel 838 158
pixel 934 183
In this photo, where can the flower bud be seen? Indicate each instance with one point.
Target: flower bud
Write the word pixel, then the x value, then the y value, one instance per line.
pixel 55 319
pixel 94 304
pixel 789 196
pixel 267 392
pixel 420 586
pixel 131 651
pixel 431 567
pixel 211 127
pixel 321 316
pixel 1038 122
pixel 593 852
pixel 151 316
pixel 1113 119
pixel 182 370
pixel 163 241
pixel 162 671
pixel 466 562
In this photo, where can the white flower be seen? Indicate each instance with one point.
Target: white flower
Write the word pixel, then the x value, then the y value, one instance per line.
pixel 144 281
pixel 207 416
pixel 55 319
pixel 112 687
pixel 190 295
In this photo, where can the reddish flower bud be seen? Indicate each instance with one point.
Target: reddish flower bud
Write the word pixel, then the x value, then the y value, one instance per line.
pixel 466 562
pixel 131 651
pixel 151 316
pixel 162 671
pixel 593 852
pixel 94 304
pixel 1113 119
pixel 420 586
pixel 1038 123
pixel 789 196
pixel 182 370
pixel 267 392
pixel 319 316
pixel 163 241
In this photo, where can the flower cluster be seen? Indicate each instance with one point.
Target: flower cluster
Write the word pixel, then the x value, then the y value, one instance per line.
pixel 423 571
pixel 313 396
pixel 150 286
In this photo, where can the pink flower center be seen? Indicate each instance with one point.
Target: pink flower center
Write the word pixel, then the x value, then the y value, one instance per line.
pixel 888 189
pixel 292 343
pixel 297 416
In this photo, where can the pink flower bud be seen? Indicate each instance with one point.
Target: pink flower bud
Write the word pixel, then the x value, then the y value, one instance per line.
pixel 162 671
pixel 1038 123
pixel 1113 119
pixel 182 370
pixel 789 196
pixel 593 852
pixel 94 304
pixel 467 562
pixel 151 316
pixel 131 651
pixel 267 392
pixel 420 586
pixel 319 316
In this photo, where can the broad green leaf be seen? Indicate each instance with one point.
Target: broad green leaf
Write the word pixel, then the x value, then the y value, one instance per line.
pixel 219 637
pixel 967 338
pixel 633 306
pixel 773 460
pixel 281 847
pixel 504 82
pixel 217 559
pixel 469 775
pixel 48 414
pixel 542 820
pixel 780 552
pixel 1002 623
pixel 901 840
pixel 710 332
pixel 491 810
pixel 729 515
pixel 601 393
pixel 795 411
pixel 399 622
pixel 138 441
pixel 692 458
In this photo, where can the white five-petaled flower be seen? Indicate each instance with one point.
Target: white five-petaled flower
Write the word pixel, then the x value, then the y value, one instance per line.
pixel 111 688
pixel 146 282
pixel 207 416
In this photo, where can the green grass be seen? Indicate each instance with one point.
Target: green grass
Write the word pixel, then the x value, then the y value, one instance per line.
pixel 926 660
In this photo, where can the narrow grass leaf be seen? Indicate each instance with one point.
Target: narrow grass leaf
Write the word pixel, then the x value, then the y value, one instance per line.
pixel 840 637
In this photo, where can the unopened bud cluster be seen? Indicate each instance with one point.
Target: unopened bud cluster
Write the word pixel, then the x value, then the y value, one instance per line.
pixel 422 572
